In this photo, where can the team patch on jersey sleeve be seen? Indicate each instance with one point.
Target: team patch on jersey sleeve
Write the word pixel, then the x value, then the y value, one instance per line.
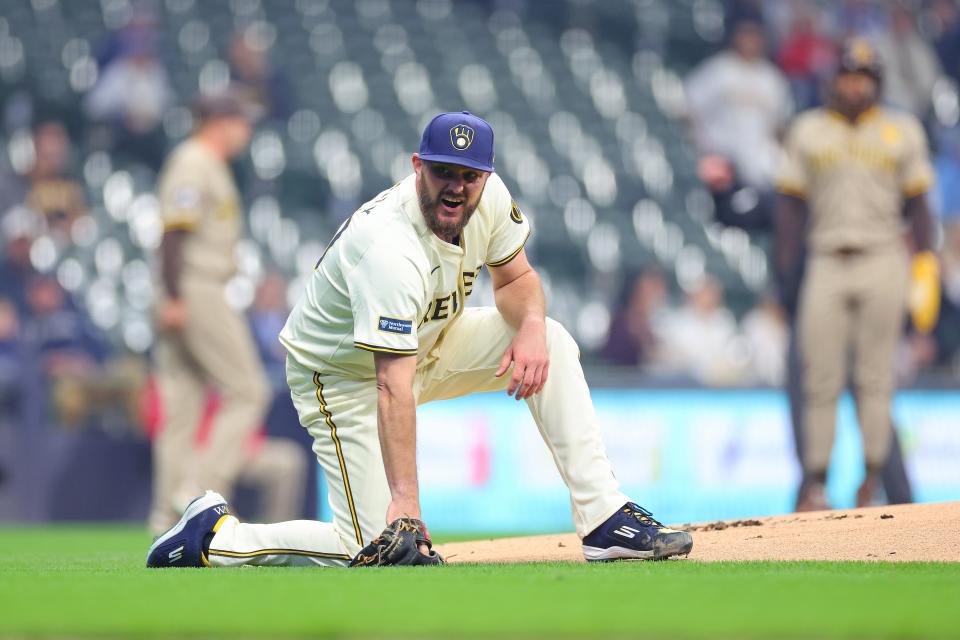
pixel 395 325
pixel 515 214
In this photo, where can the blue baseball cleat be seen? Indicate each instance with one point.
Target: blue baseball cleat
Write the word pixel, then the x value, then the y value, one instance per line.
pixel 183 544
pixel 632 533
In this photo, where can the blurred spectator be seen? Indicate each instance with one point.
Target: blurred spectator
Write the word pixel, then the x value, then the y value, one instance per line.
pixel 947 167
pixel 74 359
pixel 806 55
pixel 267 317
pixel 950 261
pixel 60 340
pixel 46 188
pixel 766 334
pixel 910 66
pixel 947 331
pixel 739 102
pixel 863 18
pixel 131 96
pixel 9 354
pixel 252 73
pixel 18 227
pixel 632 338
pixel 52 192
pixel 62 337
pixel 947 41
pixel 700 339
pixel 735 205
pixel 140 31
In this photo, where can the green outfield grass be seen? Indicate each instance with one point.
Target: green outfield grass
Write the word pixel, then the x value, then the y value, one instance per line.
pixel 76 581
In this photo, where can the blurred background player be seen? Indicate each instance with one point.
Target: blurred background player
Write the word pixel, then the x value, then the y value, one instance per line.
pixel 752 210
pixel 851 173
pixel 203 342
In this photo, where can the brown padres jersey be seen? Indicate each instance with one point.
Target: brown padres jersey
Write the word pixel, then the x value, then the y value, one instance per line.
pixel 854 175
pixel 197 193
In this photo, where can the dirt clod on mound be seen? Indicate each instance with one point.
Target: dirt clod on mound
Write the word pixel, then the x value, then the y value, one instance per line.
pixel 720 525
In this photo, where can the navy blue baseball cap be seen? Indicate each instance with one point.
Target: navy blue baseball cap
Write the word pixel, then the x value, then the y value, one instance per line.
pixel 459 138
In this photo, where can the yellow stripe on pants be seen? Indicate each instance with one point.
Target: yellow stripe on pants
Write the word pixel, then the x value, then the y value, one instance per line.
pixel 343 465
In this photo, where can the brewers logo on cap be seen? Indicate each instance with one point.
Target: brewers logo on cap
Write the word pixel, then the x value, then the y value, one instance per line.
pixel 461 136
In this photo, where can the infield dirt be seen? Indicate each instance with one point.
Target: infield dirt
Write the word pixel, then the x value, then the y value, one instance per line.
pixel 898 533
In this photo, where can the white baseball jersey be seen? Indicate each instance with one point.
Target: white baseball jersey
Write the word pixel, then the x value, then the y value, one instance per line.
pixel 387 283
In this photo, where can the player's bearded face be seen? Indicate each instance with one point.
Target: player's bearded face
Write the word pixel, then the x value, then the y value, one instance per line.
pixel 855 91
pixel 448 195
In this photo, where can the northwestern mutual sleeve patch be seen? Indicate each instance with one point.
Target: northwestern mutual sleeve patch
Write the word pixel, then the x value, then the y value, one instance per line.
pixel 395 325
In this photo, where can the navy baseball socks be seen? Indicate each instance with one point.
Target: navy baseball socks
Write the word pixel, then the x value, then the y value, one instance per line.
pixel 187 542
pixel 632 533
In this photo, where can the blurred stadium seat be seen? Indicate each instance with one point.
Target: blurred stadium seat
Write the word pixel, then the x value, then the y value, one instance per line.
pixel 587 126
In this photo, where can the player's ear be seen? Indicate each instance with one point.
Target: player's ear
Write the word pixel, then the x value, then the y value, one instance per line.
pixel 417 163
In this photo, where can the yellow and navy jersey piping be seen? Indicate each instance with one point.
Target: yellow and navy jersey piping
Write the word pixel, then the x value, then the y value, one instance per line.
pixel 379 349
pixel 500 263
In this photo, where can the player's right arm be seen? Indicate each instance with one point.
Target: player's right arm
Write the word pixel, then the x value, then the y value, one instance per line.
pixel 397 429
pixel 182 204
pixel 790 217
pixel 173 312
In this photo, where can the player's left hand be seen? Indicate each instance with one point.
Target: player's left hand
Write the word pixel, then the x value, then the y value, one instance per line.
pixel 528 353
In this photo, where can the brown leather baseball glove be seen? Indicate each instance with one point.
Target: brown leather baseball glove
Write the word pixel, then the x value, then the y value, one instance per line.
pixel 398 545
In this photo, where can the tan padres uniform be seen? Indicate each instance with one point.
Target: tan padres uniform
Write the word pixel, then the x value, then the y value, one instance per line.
pixel 854 178
pixel 215 349
pixel 387 284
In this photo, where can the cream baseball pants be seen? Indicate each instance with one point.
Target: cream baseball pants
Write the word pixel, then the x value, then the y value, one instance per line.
pixel 341 415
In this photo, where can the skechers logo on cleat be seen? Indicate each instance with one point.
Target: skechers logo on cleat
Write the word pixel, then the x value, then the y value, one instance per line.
pixel 176 554
pixel 626 532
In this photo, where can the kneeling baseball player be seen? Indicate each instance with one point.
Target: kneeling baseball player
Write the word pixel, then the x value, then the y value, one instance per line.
pixel 383 327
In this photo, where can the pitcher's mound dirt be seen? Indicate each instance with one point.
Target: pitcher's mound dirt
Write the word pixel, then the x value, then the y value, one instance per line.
pixel 892 533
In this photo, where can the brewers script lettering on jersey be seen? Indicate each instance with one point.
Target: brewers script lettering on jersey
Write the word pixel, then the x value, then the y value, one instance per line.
pixel 387 283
